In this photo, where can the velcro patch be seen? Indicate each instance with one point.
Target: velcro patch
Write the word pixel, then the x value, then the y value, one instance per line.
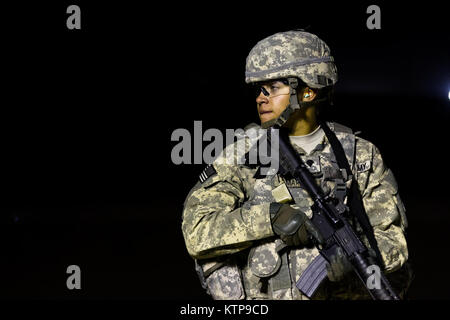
pixel 206 173
pixel 313 164
pixel 364 166
pixel 281 194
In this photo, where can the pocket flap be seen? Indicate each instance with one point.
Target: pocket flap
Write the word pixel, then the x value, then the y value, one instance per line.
pixel 264 260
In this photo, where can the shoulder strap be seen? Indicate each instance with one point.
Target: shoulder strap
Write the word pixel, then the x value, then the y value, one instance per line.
pixel 354 198
pixel 340 128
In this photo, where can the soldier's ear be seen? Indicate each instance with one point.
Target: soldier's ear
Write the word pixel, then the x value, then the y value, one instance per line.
pixel 308 94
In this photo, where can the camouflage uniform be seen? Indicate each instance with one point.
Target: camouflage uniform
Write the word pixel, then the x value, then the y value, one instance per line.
pixel 229 213
pixel 226 218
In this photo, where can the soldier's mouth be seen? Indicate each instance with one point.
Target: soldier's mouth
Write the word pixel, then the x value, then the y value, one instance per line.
pixel 266 115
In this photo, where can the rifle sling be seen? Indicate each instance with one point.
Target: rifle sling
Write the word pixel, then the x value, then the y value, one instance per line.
pixel 354 197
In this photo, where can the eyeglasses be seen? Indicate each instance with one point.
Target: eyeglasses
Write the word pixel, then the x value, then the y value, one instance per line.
pixel 272 90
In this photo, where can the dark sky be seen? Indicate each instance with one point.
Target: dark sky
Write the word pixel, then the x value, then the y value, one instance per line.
pixel 87 116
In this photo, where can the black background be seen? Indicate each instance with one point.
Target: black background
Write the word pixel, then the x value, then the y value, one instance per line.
pixel 87 117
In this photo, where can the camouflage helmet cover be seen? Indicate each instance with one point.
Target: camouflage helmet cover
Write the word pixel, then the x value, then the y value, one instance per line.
pixel 292 54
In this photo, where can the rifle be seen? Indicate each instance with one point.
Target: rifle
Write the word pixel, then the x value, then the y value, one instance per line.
pixel 334 228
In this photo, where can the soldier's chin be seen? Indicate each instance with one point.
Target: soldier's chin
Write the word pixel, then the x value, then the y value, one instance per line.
pixel 265 117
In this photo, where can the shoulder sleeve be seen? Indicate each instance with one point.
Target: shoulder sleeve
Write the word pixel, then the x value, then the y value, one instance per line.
pixel 382 204
pixel 215 222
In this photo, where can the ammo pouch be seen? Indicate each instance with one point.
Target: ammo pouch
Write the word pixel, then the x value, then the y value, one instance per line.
pixel 269 263
pixel 222 279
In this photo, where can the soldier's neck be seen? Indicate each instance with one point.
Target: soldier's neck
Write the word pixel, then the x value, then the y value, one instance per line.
pixel 302 123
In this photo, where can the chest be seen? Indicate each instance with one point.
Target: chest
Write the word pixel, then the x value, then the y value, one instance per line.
pixel 278 188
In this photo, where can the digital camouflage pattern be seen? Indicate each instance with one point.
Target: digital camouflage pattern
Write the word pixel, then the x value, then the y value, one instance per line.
pixel 228 215
pixel 225 283
pixel 292 54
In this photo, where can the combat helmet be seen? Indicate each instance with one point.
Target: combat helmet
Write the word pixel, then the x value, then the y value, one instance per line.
pixel 293 55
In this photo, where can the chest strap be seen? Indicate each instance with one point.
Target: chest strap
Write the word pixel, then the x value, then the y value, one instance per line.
pixel 354 198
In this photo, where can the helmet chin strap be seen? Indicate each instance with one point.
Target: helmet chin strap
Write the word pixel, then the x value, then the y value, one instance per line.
pixel 294 105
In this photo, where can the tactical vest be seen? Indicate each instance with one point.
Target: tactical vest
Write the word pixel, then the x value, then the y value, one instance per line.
pixel 269 270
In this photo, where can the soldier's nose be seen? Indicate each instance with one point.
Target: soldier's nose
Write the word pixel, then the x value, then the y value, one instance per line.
pixel 262 98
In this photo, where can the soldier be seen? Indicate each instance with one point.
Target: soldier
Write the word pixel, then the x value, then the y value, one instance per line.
pixel 250 234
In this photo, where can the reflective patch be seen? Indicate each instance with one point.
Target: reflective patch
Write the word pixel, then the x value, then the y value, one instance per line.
pixel 365 166
pixel 206 173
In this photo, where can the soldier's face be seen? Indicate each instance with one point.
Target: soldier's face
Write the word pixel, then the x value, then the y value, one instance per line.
pixel 272 100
